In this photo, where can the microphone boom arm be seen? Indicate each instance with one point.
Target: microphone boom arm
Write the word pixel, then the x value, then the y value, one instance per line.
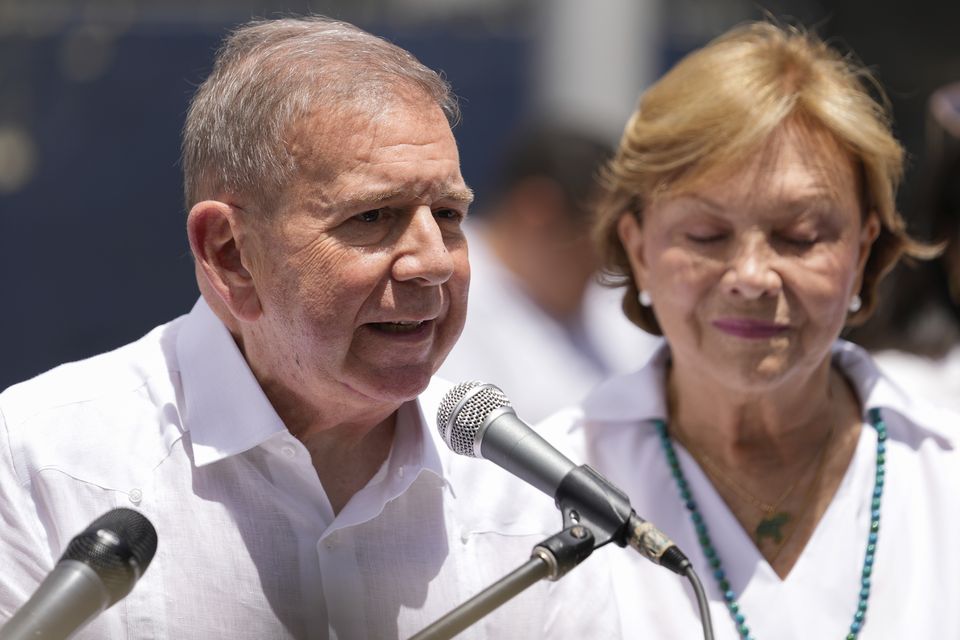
pixel 551 560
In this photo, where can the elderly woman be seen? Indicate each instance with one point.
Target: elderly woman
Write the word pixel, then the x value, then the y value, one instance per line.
pixel 749 212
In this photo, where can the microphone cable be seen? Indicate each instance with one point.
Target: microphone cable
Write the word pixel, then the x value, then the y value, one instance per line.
pixel 702 603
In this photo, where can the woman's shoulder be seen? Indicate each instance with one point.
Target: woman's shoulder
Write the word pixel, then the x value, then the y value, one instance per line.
pixel 936 380
pixel 630 397
pixel 619 404
pixel 913 414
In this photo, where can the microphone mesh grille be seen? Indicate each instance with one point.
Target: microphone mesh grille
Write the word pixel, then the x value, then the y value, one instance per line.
pixel 118 546
pixel 459 427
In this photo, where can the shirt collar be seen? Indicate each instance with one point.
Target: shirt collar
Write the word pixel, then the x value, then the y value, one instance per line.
pixel 413 454
pixel 635 396
pixel 641 396
pixel 225 410
pixel 425 417
pixel 876 390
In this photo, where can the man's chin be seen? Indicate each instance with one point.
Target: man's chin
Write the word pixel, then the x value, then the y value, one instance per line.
pixel 396 385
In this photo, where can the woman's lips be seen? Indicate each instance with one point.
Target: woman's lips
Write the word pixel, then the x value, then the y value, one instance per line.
pixel 749 328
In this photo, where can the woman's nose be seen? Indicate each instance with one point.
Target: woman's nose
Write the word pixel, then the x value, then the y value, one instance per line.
pixel 751 272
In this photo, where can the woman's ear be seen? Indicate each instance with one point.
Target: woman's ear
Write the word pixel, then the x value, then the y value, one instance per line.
pixel 869 233
pixel 630 232
pixel 216 233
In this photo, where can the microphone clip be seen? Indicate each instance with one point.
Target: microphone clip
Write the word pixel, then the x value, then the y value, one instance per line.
pixel 565 550
pixel 587 499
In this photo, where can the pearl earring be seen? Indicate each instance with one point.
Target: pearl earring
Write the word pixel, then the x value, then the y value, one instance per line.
pixel 855 304
pixel 644 298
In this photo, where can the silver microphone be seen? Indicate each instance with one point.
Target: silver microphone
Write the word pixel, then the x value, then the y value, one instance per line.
pixel 476 419
pixel 99 567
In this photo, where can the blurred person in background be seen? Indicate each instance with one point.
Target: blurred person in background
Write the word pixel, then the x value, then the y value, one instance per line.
pixel 920 345
pixel 280 436
pixel 749 215
pixel 539 325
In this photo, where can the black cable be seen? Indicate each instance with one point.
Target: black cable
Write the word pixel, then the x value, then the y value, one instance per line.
pixel 702 602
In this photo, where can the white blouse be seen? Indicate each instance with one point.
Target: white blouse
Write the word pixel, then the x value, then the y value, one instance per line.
pixel 935 379
pixel 916 577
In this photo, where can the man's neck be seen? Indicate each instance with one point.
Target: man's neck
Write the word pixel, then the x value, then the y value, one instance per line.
pixel 345 463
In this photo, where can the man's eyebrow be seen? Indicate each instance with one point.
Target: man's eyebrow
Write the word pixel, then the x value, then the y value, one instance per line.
pixel 462 195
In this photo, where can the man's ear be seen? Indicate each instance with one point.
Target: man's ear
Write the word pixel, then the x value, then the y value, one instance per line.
pixel 216 232
pixel 630 232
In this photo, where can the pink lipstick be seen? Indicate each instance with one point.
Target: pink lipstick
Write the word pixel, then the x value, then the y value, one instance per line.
pixel 750 328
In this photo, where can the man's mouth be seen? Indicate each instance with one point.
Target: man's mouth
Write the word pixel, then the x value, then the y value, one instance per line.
pixel 403 326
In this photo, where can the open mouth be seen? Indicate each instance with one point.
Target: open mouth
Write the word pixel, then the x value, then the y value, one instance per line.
pixel 404 326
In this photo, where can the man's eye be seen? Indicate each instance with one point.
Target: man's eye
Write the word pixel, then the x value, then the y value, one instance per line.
pixel 448 214
pixel 369 216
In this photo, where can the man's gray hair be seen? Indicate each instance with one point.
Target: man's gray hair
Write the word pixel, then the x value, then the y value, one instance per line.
pixel 268 74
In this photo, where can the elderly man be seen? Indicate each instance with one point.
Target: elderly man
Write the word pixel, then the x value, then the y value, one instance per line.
pixel 280 435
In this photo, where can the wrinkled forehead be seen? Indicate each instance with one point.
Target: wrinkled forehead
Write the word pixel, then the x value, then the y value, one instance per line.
pixel 318 140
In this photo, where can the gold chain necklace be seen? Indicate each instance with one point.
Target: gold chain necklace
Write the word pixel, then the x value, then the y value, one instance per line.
pixel 772 524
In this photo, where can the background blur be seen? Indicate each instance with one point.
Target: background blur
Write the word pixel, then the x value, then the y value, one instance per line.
pixel 93 94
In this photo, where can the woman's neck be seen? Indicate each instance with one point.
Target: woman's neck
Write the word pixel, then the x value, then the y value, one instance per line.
pixel 776 458
pixel 773 424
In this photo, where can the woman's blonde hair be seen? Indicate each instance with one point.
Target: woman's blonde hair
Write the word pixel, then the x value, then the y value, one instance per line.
pixel 723 102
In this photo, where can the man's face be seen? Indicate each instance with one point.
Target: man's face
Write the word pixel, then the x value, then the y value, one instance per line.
pixel 362 269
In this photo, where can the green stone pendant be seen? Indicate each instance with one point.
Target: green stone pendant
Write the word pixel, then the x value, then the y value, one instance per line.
pixel 771 527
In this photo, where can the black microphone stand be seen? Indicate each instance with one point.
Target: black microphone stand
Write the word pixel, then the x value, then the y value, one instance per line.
pixel 551 559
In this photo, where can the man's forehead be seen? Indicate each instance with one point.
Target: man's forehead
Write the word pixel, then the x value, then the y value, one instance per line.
pixel 326 148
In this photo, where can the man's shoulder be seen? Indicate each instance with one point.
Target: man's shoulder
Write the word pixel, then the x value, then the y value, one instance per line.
pixel 145 364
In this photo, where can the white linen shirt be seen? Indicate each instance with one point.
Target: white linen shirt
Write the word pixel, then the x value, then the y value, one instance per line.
pixel 916 577
pixel 176 426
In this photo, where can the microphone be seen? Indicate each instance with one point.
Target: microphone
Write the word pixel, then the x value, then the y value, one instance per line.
pixel 99 567
pixel 476 419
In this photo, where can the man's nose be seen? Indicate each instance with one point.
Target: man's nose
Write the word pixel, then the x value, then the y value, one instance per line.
pixel 423 254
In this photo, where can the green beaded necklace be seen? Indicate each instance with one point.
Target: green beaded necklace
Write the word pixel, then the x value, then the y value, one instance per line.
pixel 710 552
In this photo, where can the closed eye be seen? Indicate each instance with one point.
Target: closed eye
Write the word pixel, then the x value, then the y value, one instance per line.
pixel 706 238
pixel 800 242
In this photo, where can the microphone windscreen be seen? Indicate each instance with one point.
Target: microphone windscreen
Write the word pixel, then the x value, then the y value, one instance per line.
pixel 463 412
pixel 118 546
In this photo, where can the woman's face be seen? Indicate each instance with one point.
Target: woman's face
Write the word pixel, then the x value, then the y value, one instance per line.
pixel 751 271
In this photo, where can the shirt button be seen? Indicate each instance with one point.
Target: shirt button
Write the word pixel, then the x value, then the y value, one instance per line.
pixel 135 496
pixel 400 472
pixel 288 451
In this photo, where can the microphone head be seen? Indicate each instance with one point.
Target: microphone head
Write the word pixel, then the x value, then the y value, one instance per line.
pixel 118 546
pixel 464 411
